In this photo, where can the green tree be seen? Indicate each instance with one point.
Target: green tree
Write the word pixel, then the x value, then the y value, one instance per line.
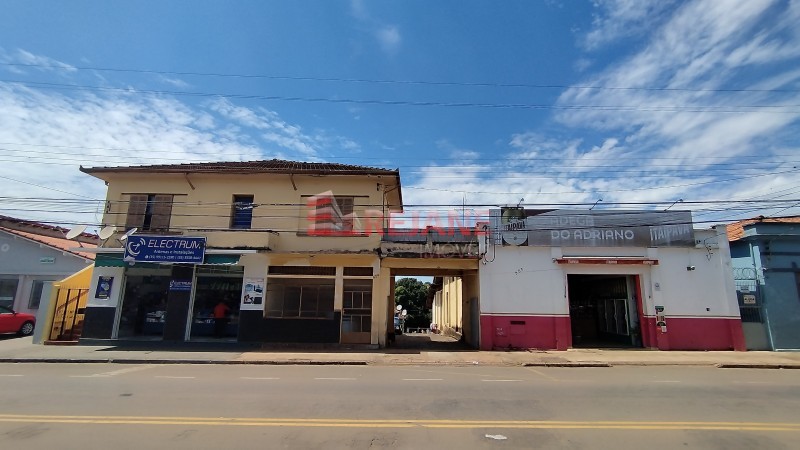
pixel 412 294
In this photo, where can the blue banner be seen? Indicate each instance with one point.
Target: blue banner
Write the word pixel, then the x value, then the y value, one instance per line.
pixel 165 249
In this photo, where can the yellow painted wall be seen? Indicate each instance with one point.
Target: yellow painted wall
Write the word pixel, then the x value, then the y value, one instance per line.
pixel 206 207
pixel 451 305
pixel 79 280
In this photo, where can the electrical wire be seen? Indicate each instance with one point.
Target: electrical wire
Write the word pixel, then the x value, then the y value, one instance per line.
pixel 388 81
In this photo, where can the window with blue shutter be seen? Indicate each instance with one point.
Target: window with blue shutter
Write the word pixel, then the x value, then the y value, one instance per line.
pixel 242 213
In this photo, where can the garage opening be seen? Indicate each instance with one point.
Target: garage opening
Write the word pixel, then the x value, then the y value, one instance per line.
pixel 603 311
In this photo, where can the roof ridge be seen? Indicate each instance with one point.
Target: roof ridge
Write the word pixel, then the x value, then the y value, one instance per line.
pixel 260 165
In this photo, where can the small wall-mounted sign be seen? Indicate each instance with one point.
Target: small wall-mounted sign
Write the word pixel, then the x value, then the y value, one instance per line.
pixel 104 285
pixel 47 260
pixel 749 299
pixel 180 285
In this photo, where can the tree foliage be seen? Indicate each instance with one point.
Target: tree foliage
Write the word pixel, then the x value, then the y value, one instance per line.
pixel 412 294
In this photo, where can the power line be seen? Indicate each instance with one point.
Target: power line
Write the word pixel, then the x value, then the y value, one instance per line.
pixel 130 149
pixel 720 109
pixel 398 82
pixel 54 158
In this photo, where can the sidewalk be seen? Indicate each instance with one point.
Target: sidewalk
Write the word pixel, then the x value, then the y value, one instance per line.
pixel 21 350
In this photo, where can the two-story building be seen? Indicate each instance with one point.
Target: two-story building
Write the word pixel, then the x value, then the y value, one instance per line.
pixel 256 251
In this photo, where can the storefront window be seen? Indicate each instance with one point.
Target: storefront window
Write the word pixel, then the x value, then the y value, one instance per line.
pixel 300 298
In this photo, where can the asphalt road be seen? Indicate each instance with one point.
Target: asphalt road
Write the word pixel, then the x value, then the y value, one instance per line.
pixel 217 406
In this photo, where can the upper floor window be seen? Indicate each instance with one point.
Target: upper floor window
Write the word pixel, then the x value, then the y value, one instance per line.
pixel 242 212
pixel 330 215
pixel 149 212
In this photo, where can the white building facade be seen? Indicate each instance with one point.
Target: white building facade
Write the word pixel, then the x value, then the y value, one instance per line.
pixel 560 279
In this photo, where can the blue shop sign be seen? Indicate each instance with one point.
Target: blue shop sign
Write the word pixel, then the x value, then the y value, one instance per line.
pixel 180 285
pixel 165 249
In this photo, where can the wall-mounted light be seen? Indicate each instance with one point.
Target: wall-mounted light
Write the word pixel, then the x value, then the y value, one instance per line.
pixel 690 268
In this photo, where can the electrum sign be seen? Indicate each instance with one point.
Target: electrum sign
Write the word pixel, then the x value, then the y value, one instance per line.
pixel 165 249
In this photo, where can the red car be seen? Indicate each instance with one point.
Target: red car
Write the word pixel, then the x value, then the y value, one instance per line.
pixel 14 322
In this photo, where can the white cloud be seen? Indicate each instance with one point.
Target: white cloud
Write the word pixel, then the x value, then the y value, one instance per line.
pixel 617 19
pixel 175 82
pixel 46 135
pixel 33 62
pixel 388 36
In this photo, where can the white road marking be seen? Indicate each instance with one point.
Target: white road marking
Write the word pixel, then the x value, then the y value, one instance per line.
pixel 501 381
pixel 422 379
pixel 125 370
pixel 541 374
pixel 496 437
pixel 666 381
pixel 260 378
pixel 10 375
pixel 323 378
pixel 174 378
pixel 97 375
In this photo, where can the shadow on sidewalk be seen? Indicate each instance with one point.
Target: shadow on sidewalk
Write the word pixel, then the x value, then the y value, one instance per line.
pixel 404 344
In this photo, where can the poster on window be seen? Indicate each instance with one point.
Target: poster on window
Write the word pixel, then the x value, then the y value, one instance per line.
pixel 253 294
pixel 104 287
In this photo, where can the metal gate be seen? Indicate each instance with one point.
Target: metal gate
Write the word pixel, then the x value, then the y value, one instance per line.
pixel 69 314
pixel 746 279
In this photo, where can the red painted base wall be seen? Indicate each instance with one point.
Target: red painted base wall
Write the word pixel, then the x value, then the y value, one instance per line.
pixel 554 333
pixel 518 332
pixel 694 333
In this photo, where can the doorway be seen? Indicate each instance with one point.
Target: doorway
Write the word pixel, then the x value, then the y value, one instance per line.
pixel 603 311
pixel 215 286
pixel 144 304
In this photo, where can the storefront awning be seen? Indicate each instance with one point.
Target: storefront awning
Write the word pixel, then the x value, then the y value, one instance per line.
pixel 603 260
pixel 227 260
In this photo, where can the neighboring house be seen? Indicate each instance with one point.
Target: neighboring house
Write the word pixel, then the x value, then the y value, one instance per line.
pixel 766 267
pixel 33 254
pixel 259 251
pixel 556 279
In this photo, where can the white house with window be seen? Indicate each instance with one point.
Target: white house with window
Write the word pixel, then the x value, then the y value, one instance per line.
pixel 32 255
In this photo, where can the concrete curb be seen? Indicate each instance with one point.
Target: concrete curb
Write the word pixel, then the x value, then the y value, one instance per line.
pixel 758 366
pixel 314 362
pixel 568 364
pixel 176 362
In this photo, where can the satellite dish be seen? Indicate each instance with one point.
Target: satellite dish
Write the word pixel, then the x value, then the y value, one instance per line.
pixel 399 307
pixel 128 234
pixel 106 232
pixel 75 231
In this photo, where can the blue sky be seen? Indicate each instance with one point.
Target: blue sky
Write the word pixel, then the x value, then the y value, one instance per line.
pixel 486 103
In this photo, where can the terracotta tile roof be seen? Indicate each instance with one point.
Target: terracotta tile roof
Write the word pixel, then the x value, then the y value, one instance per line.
pixel 736 229
pixel 264 166
pixel 65 245
pixel 30 224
